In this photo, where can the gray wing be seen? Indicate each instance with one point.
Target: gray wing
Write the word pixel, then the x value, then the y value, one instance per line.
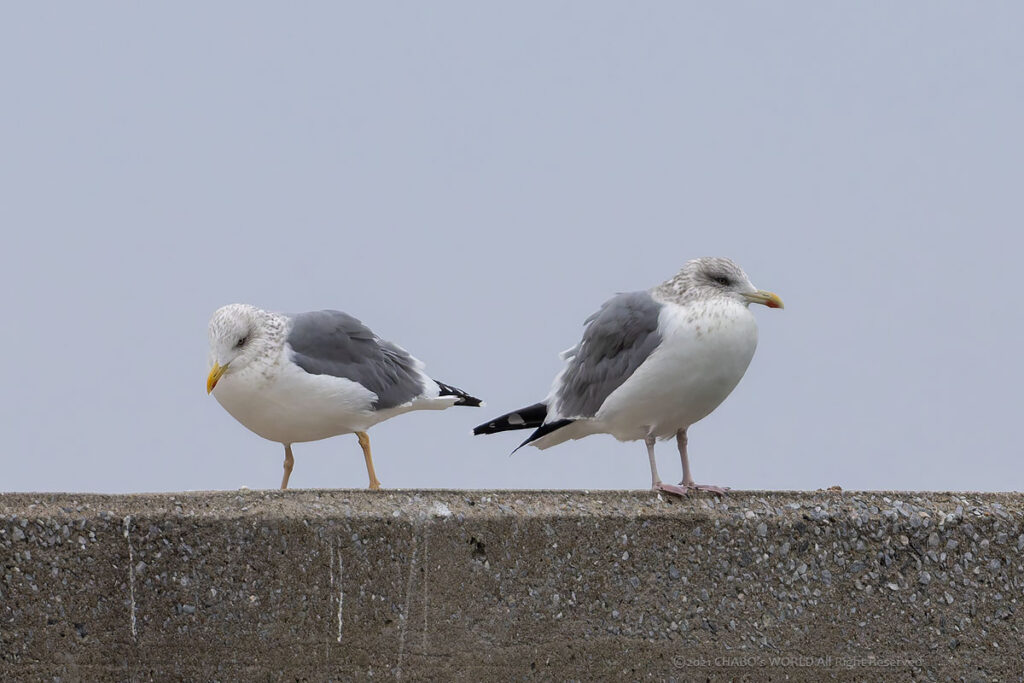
pixel 616 341
pixel 334 343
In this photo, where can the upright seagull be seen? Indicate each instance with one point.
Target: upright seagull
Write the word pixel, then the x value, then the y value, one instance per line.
pixel 650 364
pixel 310 376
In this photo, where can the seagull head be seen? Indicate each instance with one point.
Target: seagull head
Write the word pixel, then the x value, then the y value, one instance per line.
pixel 721 276
pixel 236 333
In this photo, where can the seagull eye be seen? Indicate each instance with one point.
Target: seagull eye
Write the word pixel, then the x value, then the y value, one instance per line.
pixel 241 342
pixel 722 280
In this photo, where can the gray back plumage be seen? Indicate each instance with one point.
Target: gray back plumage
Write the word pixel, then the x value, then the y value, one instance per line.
pixel 336 344
pixel 616 341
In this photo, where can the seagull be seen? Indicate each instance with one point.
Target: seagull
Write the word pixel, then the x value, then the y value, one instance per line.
pixel 310 376
pixel 650 364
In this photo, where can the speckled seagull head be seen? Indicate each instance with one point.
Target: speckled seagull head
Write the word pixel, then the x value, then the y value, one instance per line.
pixel 239 333
pixel 714 276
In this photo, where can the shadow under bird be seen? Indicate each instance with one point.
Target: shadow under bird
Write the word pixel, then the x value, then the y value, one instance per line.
pixel 310 376
pixel 650 364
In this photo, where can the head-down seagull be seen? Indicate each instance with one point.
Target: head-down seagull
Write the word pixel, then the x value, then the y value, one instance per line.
pixel 310 376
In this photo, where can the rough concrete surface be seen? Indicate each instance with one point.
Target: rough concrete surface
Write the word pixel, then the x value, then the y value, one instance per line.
pixel 499 585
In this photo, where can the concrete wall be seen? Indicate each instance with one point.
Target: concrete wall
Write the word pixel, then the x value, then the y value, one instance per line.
pixel 334 585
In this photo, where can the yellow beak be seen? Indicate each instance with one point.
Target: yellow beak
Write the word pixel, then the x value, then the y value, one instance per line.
pixel 769 299
pixel 215 374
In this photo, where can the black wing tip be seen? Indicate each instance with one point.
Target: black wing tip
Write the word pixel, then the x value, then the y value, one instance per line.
pixel 492 427
pixel 525 418
pixel 544 430
pixel 464 399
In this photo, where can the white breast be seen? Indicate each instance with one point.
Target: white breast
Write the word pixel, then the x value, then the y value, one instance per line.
pixel 705 349
pixel 283 403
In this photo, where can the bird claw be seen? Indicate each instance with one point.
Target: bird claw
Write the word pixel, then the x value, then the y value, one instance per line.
pixel 682 490
pixel 717 490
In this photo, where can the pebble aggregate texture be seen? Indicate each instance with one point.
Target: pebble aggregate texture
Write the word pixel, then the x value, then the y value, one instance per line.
pixel 503 585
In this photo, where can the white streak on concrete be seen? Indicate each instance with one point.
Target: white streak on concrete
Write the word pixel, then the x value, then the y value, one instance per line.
pixel 408 605
pixel 335 551
pixel 131 572
pixel 426 586
pixel 341 594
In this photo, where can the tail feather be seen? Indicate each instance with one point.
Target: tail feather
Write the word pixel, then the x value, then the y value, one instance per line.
pixel 544 430
pixel 529 417
pixel 464 399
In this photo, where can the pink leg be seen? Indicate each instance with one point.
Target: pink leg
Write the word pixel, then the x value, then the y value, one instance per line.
pixel 687 483
pixel 656 483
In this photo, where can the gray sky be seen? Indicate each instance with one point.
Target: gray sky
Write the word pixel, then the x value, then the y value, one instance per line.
pixel 472 180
